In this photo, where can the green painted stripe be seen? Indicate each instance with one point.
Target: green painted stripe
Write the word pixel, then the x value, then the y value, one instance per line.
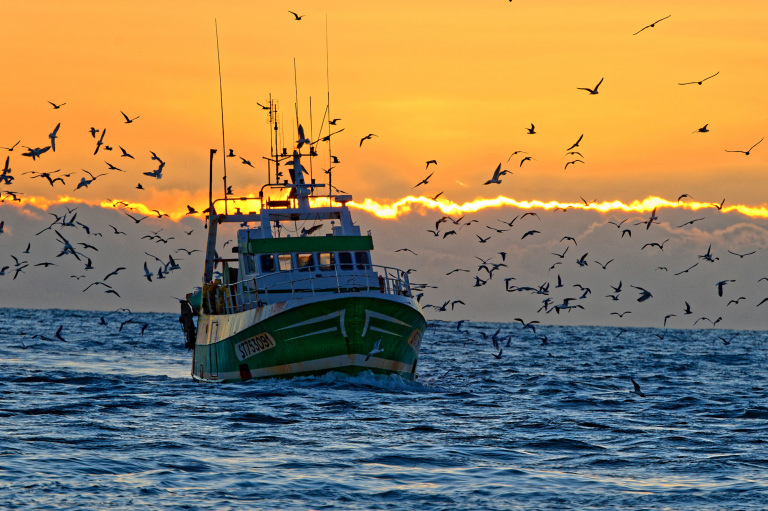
pixel 309 244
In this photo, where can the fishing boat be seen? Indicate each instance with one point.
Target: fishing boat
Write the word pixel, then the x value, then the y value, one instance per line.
pixel 300 295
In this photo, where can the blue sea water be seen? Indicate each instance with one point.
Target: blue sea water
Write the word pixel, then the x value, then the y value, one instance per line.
pixel 110 419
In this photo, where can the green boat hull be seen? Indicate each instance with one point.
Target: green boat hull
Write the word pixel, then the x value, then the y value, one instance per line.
pixel 349 334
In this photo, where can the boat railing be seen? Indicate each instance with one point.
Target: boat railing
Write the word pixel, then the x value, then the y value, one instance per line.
pixel 258 291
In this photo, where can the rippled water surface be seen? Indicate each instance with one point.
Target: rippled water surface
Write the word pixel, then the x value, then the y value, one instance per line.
pixel 110 419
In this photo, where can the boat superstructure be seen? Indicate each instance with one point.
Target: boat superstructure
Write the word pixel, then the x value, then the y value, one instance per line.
pixel 300 293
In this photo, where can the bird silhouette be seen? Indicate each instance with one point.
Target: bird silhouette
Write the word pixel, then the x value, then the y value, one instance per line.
pixel 703 129
pixel 576 144
pixel 571 162
pixel 700 81
pixel 52 136
pixel 496 175
pixel 367 137
pixel 592 91
pixel 652 24
pixel 747 151
pixel 128 120
pixel 100 141
pixel 423 181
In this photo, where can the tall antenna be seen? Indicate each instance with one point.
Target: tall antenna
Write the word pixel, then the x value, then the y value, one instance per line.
pixel 221 103
pixel 296 93
pixel 328 111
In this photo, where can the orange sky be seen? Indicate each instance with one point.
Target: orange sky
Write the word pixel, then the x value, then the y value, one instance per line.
pixel 435 81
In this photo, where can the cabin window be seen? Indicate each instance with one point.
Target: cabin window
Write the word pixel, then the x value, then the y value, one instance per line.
pixel 345 260
pixel 363 262
pixel 267 263
pixel 305 262
pixel 285 262
pixel 327 261
pixel 249 266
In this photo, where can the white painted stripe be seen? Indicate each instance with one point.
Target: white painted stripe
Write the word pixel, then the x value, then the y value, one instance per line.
pixel 376 329
pixel 318 319
pixel 343 326
pixel 317 332
pixel 377 315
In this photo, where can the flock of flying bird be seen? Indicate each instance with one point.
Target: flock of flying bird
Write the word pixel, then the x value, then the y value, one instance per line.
pixel 82 251
pixel 485 267
pixel 79 239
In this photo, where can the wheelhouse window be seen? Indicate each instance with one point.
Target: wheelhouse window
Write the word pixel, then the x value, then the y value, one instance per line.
pixel 285 262
pixel 267 263
pixel 305 262
pixel 345 260
pixel 327 261
pixel 249 265
pixel 362 259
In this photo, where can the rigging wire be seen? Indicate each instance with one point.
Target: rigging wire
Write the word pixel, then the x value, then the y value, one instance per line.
pixel 221 104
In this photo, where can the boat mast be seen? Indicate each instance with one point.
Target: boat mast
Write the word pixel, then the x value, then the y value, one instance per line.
pixel 328 112
pixel 221 104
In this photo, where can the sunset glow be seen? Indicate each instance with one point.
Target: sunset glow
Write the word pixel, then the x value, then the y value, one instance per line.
pixel 403 206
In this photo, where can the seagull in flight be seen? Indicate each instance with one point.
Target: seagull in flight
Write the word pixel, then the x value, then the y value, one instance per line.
pixel 530 324
pixel 637 388
pixel 747 151
pixel 576 144
pixel 700 81
pixel 55 106
pixel 514 153
pixel 531 130
pixel 496 175
pixel 644 294
pixel 687 270
pixel 147 273
pixel 570 162
pixel 128 120
pixel 100 141
pixel 592 91
pixel 302 139
pixel 297 16
pixel 35 152
pixel 652 24
pixel 53 137
pixel 720 286
pixel 423 181
pixel 367 137
pixel 690 222
pixel 431 161
pixel 742 256
pixel 651 220
pixel 376 349
pixel 12 147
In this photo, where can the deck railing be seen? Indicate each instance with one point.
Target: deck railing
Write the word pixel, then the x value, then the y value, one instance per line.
pixel 278 286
